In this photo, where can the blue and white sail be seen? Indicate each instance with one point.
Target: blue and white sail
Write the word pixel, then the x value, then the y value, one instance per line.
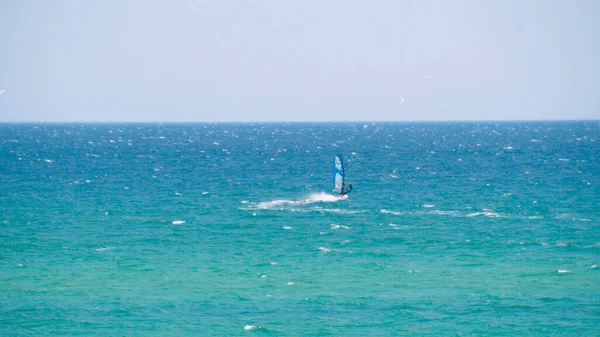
pixel 338 174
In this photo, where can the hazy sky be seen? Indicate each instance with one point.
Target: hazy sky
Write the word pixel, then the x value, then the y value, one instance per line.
pixel 220 60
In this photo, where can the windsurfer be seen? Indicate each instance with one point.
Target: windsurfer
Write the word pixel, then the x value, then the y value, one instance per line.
pixel 346 190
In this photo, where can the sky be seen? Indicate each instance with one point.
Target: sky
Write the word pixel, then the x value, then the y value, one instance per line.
pixel 237 61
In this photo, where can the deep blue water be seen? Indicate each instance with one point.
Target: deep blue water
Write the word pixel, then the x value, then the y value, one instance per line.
pixel 232 229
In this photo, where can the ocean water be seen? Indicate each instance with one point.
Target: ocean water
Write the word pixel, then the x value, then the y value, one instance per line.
pixel 459 229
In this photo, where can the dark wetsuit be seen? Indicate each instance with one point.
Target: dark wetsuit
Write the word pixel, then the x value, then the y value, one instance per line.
pixel 348 189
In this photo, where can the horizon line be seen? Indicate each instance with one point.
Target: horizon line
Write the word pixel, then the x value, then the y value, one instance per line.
pixel 311 121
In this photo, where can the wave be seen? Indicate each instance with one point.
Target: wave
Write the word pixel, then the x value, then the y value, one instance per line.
pixel 468 214
pixel 284 203
pixel 440 212
pixel 385 211
pixel 486 213
pixel 317 202
pixel 103 249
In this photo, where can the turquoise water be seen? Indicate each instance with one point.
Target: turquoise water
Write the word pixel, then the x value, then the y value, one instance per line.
pixel 231 229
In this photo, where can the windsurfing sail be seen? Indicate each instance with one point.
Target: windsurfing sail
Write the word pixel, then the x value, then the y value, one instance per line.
pixel 338 174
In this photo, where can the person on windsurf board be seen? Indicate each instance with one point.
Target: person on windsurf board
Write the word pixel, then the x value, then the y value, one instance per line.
pixel 339 178
pixel 345 191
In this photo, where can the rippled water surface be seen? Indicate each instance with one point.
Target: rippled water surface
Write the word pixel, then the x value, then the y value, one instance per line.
pixel 232 229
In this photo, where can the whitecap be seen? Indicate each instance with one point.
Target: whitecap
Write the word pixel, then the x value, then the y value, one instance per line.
pixel 487 214
pixel 290 283
pixel 440 212
pixel 594 266
pixel 204 193
pixel 49 161
pixel 563 271
pixel 178 222
pixel 287 227
pixel 385 211
pixel 103 249
pixel 325 250
pixel 249 327
pixel 336 210
pixel 428 205
pixel 274 203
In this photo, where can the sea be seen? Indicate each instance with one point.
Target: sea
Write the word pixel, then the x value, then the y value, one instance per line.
pixel 225 229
